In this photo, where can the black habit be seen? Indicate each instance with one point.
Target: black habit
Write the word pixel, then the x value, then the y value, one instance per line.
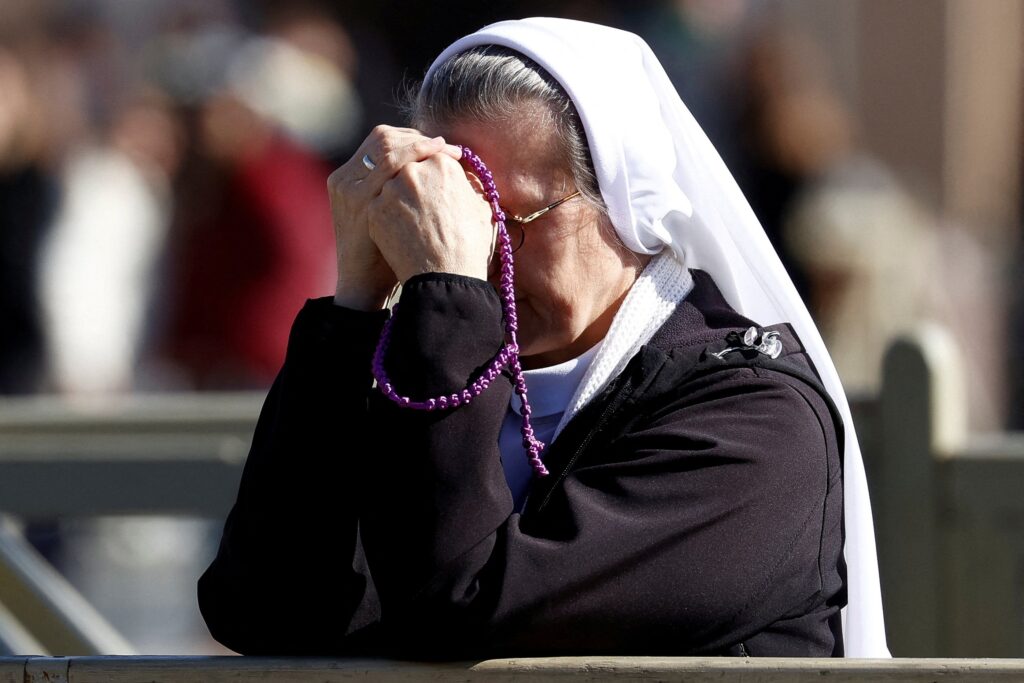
pixel 690 509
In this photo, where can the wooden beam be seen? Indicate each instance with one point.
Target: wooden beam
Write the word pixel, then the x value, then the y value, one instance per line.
pixel 691 669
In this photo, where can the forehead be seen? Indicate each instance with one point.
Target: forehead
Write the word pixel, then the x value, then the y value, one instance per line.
pixel 523 152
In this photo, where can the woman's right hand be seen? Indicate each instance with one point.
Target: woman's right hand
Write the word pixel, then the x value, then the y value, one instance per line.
pixel 364 277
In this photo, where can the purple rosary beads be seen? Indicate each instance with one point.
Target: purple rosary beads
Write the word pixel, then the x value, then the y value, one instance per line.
pixel 507 356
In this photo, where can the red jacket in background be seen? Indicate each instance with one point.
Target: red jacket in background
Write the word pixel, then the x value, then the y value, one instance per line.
pixel 262 248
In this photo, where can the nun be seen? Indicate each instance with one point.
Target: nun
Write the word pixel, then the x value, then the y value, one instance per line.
pixel 598 421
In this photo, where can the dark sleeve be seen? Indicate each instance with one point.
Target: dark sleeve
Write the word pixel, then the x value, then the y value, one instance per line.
pixel 688 533
pixel 283 580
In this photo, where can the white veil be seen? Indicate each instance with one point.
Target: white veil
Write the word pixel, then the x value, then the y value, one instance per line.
pixel 666 186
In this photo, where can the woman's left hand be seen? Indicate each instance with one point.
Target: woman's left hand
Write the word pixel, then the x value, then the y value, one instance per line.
pixel 430 218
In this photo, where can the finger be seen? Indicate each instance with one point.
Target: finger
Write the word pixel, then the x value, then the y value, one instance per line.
pixel 384 139
pixel 411 151
pixel 408 131
pixel 398 129
pixel 395 159
pixel 454 151
pixel 381 139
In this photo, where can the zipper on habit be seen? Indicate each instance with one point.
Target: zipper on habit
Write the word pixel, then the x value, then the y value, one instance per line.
pixel 612 406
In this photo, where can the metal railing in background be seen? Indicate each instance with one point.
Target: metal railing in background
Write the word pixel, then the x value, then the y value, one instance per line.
pixel 41 611
pixel 163 454
pixel 142 454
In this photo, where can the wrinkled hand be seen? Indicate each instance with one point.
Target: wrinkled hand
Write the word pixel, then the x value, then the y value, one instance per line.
pixel 365 277
pixel 429 217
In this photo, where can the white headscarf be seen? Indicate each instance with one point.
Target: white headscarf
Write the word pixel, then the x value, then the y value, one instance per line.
pixel 666 187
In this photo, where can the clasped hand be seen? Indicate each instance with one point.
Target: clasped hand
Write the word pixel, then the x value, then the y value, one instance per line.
pixel 417 211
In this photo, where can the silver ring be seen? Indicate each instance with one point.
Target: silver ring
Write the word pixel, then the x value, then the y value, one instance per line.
pixel 368 162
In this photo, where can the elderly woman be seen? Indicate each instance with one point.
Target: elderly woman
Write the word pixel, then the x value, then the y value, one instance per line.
pixel 399 499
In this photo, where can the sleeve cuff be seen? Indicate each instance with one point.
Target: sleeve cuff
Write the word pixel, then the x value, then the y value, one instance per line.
pixel 447 327
pixel 322 327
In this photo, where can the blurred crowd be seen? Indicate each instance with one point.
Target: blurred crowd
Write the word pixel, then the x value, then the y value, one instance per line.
pixel 162 166
pixel 163 212
pixel 163 173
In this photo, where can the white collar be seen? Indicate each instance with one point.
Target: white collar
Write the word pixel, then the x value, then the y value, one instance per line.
pixel 551 388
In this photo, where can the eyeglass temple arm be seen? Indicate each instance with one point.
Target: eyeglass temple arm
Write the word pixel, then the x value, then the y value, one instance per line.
pixel 537 214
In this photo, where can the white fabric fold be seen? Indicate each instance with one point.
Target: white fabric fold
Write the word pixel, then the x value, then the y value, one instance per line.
pixel 650 301
pixel 667 188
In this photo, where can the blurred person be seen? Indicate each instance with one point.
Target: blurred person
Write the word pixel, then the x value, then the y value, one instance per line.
pixel 690 499
pixel 28 200
pixel 856 244
pixel 869 257
pixel 101 263
pixel 110 158
pixel 250 242
pixel 1015 327
pixel 863 249
pixel 780 145
pixel 697 40
pixel 302 76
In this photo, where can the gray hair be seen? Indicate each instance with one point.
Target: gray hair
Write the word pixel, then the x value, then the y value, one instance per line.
pixel 489 84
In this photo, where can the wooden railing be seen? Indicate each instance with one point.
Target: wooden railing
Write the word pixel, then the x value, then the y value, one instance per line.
pixel 620 669
pixel 949 511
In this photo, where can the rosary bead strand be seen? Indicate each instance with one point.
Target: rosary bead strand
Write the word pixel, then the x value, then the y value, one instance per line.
pixel 507 356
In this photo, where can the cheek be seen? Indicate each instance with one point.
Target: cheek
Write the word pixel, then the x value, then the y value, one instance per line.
pixel 554 285
pixel 533 279
pixel 548 303
pixel 541 265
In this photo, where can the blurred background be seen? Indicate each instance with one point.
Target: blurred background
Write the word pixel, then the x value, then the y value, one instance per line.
pixel 163 212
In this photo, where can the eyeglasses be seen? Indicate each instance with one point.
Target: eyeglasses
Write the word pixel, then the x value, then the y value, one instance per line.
pixel 515 223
